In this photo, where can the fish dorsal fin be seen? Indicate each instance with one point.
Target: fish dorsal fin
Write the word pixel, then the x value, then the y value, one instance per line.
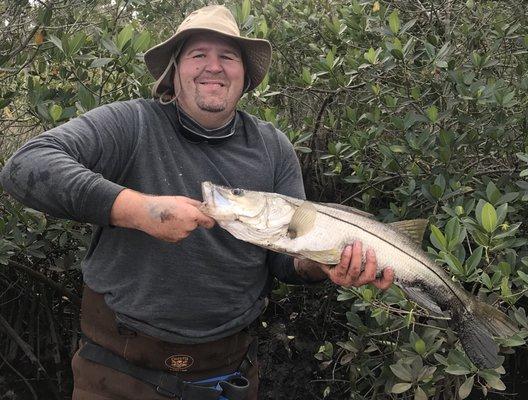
pixel 349 209
pixel 302 221
pixel 413 228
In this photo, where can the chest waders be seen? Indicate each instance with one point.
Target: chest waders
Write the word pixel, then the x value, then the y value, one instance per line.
pixel 208 371
pixel 232 386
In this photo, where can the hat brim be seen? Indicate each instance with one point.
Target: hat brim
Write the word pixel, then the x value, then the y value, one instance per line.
pixel 257 54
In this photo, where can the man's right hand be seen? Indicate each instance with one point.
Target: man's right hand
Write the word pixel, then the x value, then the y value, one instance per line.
pixel 169 218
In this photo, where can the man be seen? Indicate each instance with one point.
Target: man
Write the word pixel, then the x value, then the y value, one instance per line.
pixel 167 303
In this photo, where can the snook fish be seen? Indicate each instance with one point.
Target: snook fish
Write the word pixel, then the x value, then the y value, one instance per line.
pixel 320 231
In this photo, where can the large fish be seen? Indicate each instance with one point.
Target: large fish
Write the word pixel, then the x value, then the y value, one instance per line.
pixel 319 232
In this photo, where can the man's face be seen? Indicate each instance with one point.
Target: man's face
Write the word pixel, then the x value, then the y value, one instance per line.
pixel 211 76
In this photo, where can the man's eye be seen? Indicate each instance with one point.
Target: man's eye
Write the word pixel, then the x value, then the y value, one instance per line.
pixel 199 56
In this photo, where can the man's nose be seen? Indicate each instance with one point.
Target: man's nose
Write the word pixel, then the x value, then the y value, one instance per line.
pixel 214 64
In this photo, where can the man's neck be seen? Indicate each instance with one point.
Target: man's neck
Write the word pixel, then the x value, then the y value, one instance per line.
pixel 207 119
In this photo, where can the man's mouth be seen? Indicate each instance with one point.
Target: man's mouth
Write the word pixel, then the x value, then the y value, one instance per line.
pixel 212 84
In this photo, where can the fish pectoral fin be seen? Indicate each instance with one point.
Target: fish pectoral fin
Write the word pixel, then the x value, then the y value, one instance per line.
pixel 302 221
pixel 413 228
pixel 423 299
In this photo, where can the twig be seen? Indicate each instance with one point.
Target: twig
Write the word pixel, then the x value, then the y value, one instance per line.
pixel 26 348
pixel 65 292
pixel 30 388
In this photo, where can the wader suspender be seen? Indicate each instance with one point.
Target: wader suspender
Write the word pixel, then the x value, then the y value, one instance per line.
pixel 228 387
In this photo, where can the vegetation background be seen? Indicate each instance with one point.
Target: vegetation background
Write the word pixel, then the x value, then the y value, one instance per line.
pixel 404 108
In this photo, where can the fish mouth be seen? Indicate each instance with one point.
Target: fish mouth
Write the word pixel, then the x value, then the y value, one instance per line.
pixel 215 202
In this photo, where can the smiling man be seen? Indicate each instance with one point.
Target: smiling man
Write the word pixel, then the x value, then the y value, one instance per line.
pixel 168 305
pixel 211 79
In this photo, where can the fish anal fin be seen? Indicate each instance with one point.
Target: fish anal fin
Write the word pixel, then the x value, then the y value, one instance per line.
pixel 413 228
pixel 423 299
pixel 302 221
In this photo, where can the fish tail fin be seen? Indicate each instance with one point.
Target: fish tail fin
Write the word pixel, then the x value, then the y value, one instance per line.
pixel 476 331
pixel 495 321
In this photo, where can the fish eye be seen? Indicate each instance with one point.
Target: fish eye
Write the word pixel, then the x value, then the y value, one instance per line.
pixel 237 192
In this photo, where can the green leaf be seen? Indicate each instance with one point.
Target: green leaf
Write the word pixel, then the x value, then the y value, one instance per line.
pixel 436 191
pixel 263 28
pixel 401 371
pixel 432 114
pixel 465 389
pixel 371 56
pixel 419 394
pixel 100 62
pixel 457 370
pixel 401 387
pixel 124 36
pixel 489 217
pixel 141 42
pixel 438 237
pixel 493 380
pixel 45 14
pixel 492 193
pixel 246 8
pixel 76 43
pixel 474 259
pixel 523 276
pixel 109 45
pixel 86 98
pixel 420 347
pixel 397 53
pixel 55 112
pixel 56 41
pixel 330 60
pixel 394 22
pixel 306 76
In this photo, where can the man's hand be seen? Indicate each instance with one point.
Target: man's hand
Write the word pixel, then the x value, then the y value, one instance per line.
pixel 348 272
pixel 169 218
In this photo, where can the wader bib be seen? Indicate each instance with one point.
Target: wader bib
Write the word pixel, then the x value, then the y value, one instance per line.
pixel 115 362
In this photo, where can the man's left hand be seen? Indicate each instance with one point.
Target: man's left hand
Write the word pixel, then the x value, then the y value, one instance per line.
pixel 349 271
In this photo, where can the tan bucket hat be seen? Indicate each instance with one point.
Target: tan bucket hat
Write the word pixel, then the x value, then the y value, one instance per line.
pixel 217 19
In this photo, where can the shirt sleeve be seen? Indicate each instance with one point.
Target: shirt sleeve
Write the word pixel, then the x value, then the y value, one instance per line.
pixel 72 171
pixel 288 175
pixel 281 267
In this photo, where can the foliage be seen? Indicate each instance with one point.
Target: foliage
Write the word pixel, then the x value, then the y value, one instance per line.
pixel 402 108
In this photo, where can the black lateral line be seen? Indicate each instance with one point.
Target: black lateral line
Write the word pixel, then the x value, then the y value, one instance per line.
pixel 410 255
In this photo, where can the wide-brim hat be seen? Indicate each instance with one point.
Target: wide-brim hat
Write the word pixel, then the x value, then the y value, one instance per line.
pixel 215 19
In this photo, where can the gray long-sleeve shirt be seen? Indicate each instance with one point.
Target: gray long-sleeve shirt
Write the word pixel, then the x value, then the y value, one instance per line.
pixel 203 288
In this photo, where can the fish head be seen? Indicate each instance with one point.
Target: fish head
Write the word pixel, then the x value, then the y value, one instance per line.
pixel 256 217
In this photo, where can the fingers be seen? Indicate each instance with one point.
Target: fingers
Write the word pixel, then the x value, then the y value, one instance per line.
pixel 356 261
pixel 341 270
pixel 369 273
pixel 204 220
pixel 349 271
pixel 386 279
pixel 199 217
